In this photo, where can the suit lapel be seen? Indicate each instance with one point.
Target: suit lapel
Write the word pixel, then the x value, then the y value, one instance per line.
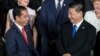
pixel 52 7
pixel 80 31
pixel 29 36
pixel 20 34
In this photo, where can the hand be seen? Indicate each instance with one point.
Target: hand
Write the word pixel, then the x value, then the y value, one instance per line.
pixel 67 54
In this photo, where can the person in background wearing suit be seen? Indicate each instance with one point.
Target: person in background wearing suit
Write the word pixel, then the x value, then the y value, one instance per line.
pixel 93 17
pixel 18 38
pixel 35 4
pixel 52 15
pixel 77 36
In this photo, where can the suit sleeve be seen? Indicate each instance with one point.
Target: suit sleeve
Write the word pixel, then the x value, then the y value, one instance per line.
pixel 59 43
pixel 11 44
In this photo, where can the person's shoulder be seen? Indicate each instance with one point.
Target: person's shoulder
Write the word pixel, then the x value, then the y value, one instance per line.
pixel 11 29
pixel 10 32
pixel 88 15
pixel 90 12
pixel 89 26
pixel 10 10
pixel 47 2
pixel 31 11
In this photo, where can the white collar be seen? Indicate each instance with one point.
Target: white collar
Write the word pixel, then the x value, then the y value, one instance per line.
pixel 61 3
pixel 19 27
pixel 78 24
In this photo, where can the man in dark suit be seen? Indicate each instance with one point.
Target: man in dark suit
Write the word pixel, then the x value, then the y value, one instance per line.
pixel 18 38
pixel 49 23
pixel 80 39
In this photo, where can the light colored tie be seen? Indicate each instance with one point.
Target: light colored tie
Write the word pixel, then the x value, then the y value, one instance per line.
pixel 25 35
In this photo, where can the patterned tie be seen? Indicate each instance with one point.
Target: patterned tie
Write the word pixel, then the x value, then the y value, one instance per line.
pixel 74 31
pixel 25 36
pixel 58 7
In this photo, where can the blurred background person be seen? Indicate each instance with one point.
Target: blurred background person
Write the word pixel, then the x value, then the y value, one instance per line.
pixel 2 28
pixel 52 16
pixel 93 17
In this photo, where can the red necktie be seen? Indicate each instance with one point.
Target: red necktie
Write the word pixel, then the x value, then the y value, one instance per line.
pixel 25 36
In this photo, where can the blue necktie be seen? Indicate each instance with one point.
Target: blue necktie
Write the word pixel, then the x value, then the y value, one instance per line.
pixel 58 7
pixel 74 30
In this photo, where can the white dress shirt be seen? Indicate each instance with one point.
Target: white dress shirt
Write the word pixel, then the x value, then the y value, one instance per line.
pixel 78 24
pixel 19 27
pixel 61 3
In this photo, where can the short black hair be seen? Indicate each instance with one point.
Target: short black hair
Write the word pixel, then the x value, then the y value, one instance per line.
pixel 17 11
pixel 77 5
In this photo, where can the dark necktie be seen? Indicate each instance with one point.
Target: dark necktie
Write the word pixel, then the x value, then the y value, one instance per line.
pixel 74 31
pixel 58 7
pixel 25 35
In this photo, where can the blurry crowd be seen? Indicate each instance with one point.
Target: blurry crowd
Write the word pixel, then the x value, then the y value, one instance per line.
pixel 47 19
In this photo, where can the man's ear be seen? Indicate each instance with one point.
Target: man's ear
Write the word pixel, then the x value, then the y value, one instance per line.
pixel 17 18
pixel 81 13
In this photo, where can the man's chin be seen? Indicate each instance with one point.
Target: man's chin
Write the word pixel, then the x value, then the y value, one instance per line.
pixel 72 21
pixel 25 24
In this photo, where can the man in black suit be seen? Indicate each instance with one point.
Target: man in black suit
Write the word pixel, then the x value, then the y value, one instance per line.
pixel 80 39
pixel 18 37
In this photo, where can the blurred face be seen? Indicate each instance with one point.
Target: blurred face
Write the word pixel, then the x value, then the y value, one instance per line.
pixel 74 16
pixel 96 5
pixel 23 18
pixel 23 3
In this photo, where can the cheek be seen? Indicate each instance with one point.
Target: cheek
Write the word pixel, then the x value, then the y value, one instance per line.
pixel 25 21
pixel 73 16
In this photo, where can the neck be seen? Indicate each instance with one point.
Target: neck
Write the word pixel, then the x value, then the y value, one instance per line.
pixel 78 21
pixel 19 24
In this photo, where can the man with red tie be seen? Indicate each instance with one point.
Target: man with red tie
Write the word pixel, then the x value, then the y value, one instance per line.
pixel 18 38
